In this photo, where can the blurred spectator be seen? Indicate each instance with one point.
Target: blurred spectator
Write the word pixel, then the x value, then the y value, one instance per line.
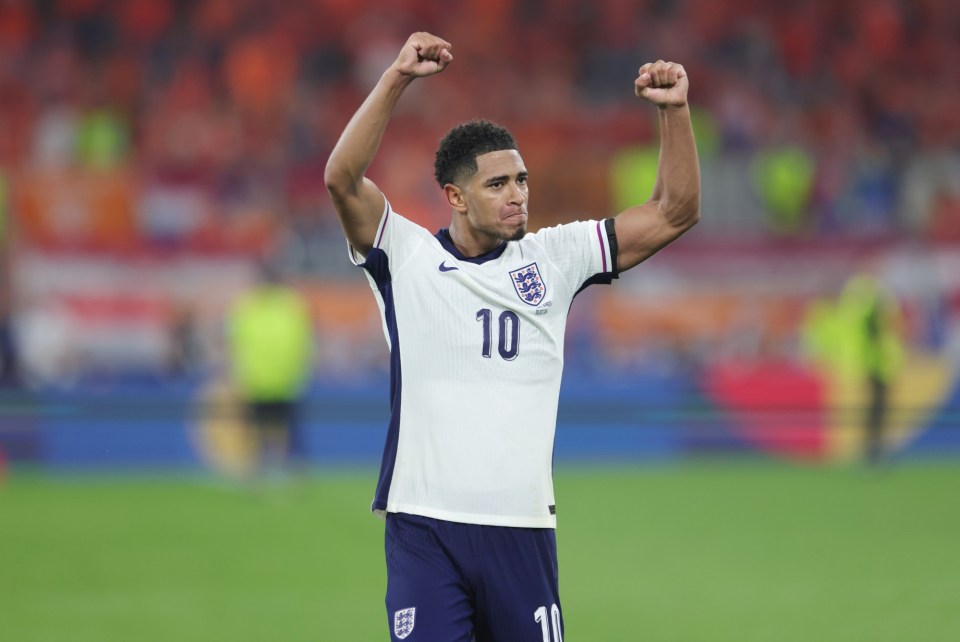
pixel 783 179
pixel 102 140
pixel 872 347
pixel 9 361
pixel 270 337
pixel 859 338
pixel 633 174
pixel 187 351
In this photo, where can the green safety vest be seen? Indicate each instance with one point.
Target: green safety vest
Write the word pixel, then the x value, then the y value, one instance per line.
pixel 270 340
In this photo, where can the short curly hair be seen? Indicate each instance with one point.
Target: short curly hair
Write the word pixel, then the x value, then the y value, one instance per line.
pixel 458 151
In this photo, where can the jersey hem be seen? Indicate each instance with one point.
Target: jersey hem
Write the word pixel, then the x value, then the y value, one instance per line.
pixel 549 521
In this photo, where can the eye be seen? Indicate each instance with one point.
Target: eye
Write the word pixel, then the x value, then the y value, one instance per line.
pixel 522 180
pixel 496 184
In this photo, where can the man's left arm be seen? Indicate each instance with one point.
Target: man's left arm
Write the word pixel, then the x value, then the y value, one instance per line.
pixel 674 206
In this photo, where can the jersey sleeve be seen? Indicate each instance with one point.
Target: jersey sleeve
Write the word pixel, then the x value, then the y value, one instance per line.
pixel 585 251
pixel 396 240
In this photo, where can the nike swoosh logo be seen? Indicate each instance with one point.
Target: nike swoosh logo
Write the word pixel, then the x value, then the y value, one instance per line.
pixel 447 268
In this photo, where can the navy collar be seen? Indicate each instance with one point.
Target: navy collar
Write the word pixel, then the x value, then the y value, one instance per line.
pixel 444 237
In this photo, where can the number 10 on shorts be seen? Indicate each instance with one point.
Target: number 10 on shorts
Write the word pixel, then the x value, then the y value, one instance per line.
pixel 540 615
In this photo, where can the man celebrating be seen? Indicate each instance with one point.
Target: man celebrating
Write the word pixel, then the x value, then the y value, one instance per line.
pixel 474 316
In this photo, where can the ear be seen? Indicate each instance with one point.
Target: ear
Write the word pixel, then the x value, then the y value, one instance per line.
pixel 455 197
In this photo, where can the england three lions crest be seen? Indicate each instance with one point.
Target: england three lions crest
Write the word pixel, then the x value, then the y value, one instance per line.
pixel 403 621
pixel 529 284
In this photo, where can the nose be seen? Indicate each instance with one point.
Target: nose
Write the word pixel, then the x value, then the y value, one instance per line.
pixel 517 194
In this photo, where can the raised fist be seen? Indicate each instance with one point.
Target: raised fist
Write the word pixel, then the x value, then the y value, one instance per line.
pixel 664 84
pixel 423 55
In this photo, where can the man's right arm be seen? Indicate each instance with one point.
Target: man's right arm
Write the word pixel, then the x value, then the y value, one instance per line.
pixel 358 201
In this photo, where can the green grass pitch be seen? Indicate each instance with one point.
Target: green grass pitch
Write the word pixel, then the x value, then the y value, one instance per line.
pixel 699 551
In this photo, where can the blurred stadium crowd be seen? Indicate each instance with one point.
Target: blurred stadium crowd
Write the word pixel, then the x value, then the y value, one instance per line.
pixel 151 151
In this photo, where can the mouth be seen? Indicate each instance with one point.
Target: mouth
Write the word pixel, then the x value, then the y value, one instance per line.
pixel 515 215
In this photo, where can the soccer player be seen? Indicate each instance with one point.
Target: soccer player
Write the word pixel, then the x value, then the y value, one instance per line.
pixel 474 317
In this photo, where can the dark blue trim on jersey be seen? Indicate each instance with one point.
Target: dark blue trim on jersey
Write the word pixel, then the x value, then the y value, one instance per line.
pixel 378 266
pixel 444 237
pixel 611 229
pixel 605 278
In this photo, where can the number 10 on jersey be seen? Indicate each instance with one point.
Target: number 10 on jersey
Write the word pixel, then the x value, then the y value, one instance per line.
pixel 508 335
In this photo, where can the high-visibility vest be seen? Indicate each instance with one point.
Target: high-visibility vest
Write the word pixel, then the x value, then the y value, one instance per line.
pixel 271 344
pixel 870 342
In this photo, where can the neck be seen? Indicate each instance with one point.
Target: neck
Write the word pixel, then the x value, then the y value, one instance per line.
pixel 470 241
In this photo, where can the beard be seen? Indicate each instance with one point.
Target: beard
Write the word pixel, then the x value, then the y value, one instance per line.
pixel 501 234
pixel 511 233
pixel 517 235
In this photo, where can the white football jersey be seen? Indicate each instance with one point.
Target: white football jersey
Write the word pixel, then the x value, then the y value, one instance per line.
pixel 476 347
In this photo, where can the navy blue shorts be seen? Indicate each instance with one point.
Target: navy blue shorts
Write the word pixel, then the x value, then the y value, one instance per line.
pixel 452 582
